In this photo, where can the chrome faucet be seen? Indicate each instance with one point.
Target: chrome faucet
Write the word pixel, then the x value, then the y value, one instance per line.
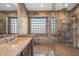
pixel 6 40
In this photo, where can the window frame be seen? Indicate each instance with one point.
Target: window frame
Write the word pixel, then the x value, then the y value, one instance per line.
pixel 37 18
pixel 9 26
pixel 53 25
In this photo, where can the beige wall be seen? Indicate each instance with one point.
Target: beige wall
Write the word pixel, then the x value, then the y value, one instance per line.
pixel 76 12
pixel 61 16
pixel 22 19
pixel 9 14
pixel 2 23
pixel 3 20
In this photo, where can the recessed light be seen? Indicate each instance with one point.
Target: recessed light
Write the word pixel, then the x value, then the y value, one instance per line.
pixel 7 5
pixel 66 4
pixel 41 5
pixel 15 4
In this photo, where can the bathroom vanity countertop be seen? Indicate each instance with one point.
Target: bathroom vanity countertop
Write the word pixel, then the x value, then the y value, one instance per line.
pixel 14 48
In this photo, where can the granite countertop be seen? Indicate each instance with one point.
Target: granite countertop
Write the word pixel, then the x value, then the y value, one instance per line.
pixel 14 48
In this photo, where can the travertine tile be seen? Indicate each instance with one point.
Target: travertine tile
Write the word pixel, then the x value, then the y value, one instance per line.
pixel 58 49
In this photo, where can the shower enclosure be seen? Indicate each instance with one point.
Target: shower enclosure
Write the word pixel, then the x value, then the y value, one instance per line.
pixel 69 34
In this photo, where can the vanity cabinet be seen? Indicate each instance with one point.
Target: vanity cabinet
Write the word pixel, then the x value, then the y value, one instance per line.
pixel 25 52
pixel 28 50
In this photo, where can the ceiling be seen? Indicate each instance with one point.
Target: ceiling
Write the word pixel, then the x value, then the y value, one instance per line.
pixel 3 7
pixel 60 6
pixel 49 6
pixel 37 6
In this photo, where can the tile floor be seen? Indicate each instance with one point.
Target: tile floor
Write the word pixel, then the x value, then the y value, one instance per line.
pixel 60 50
pixel 43 50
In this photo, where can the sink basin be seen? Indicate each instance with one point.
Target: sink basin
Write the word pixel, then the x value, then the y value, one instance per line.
pixel 13 45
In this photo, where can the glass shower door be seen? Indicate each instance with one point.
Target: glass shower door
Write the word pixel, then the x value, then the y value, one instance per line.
pixel 68 46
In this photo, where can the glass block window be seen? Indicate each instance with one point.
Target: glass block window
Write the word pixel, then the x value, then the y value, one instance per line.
pixel 53 25
pixel 13 24
pixel 38 25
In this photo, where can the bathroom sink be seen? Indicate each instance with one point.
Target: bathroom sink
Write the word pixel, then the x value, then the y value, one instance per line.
pixel 13 45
